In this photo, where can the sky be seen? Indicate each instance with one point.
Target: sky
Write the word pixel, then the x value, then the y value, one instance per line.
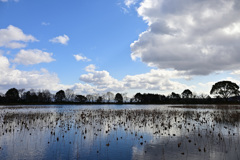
pixel 125 46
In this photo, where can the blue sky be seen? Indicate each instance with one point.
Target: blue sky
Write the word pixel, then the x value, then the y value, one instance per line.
pixel 121 46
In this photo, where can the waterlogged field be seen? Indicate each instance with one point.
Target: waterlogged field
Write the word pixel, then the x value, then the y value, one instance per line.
pixel 120 132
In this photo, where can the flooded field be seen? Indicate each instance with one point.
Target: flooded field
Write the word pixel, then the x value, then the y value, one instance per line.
pixel 120 132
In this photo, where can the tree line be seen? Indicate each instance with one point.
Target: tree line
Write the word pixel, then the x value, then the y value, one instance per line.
pixel 223 91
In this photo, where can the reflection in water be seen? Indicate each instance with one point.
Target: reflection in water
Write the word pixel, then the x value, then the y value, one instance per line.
pixel 65 132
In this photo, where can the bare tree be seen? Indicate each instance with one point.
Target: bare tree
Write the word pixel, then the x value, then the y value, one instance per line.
pixel 203 96
pixel 89 98
pixel 104 97
pixel 47 95
pixel 70 96
pixel 125 98
pixel 110 96
pixel 95 97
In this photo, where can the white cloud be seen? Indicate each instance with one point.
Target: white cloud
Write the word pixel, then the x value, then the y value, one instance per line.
pixel 35 56
pixel 13 37
pixel 157 79
pixel 102 80
pixel 128 3
pixel 85 89
pixel 199 37
pixel 124 10
pixel 45 23
pixel 205 87
pixel 160 80
pixel 60 39
pixel 90 68
pixel 79 57
pixel 43 79
pixel 94 81
pixel 11 77
pixel 235 72
pixel 4 63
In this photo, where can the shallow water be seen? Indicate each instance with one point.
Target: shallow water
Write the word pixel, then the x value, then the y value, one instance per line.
pixel 120 132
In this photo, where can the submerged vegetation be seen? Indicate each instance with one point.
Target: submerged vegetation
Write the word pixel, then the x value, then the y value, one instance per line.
pixel 154 133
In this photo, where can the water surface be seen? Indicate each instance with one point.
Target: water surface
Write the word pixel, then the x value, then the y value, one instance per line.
pixel 120 132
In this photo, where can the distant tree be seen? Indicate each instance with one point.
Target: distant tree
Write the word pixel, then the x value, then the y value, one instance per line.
pixel 1 94
pixel 125 98
pixel 21 91
pixel 138 97
pixel 40 97
pixel 80 98
pixel 118 98
pixel 89 98
pixel 43 96
pixel 12 95
pixel 110 96
pixel 34 96
pixel 2 98
pixel 31 96
pixel 174 95
pixel 225 89
pixel 208 97
pixel 100 99
pixel 47 96
pixel 132 100
pixel 203 96
pixel 104 97
pixel 187 93
pixel 60 96
pixel 152 98
pixel 69 93
pixel 27 96
pixel 95 97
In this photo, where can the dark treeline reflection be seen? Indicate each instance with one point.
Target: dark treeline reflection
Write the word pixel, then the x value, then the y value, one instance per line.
pixel 64 132
pixel 224 91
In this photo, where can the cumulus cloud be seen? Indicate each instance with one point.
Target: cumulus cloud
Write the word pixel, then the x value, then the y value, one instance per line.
pixel 4 63
pixel 93 82
pixel 11 77
pixel 101 79
pixel 42 79
pixel 156 79
pixel 60 39
pixel 90 68
pixel 13 37
pixel 86 89
pixel 198 37
pixel 79 57
pixel 33 56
